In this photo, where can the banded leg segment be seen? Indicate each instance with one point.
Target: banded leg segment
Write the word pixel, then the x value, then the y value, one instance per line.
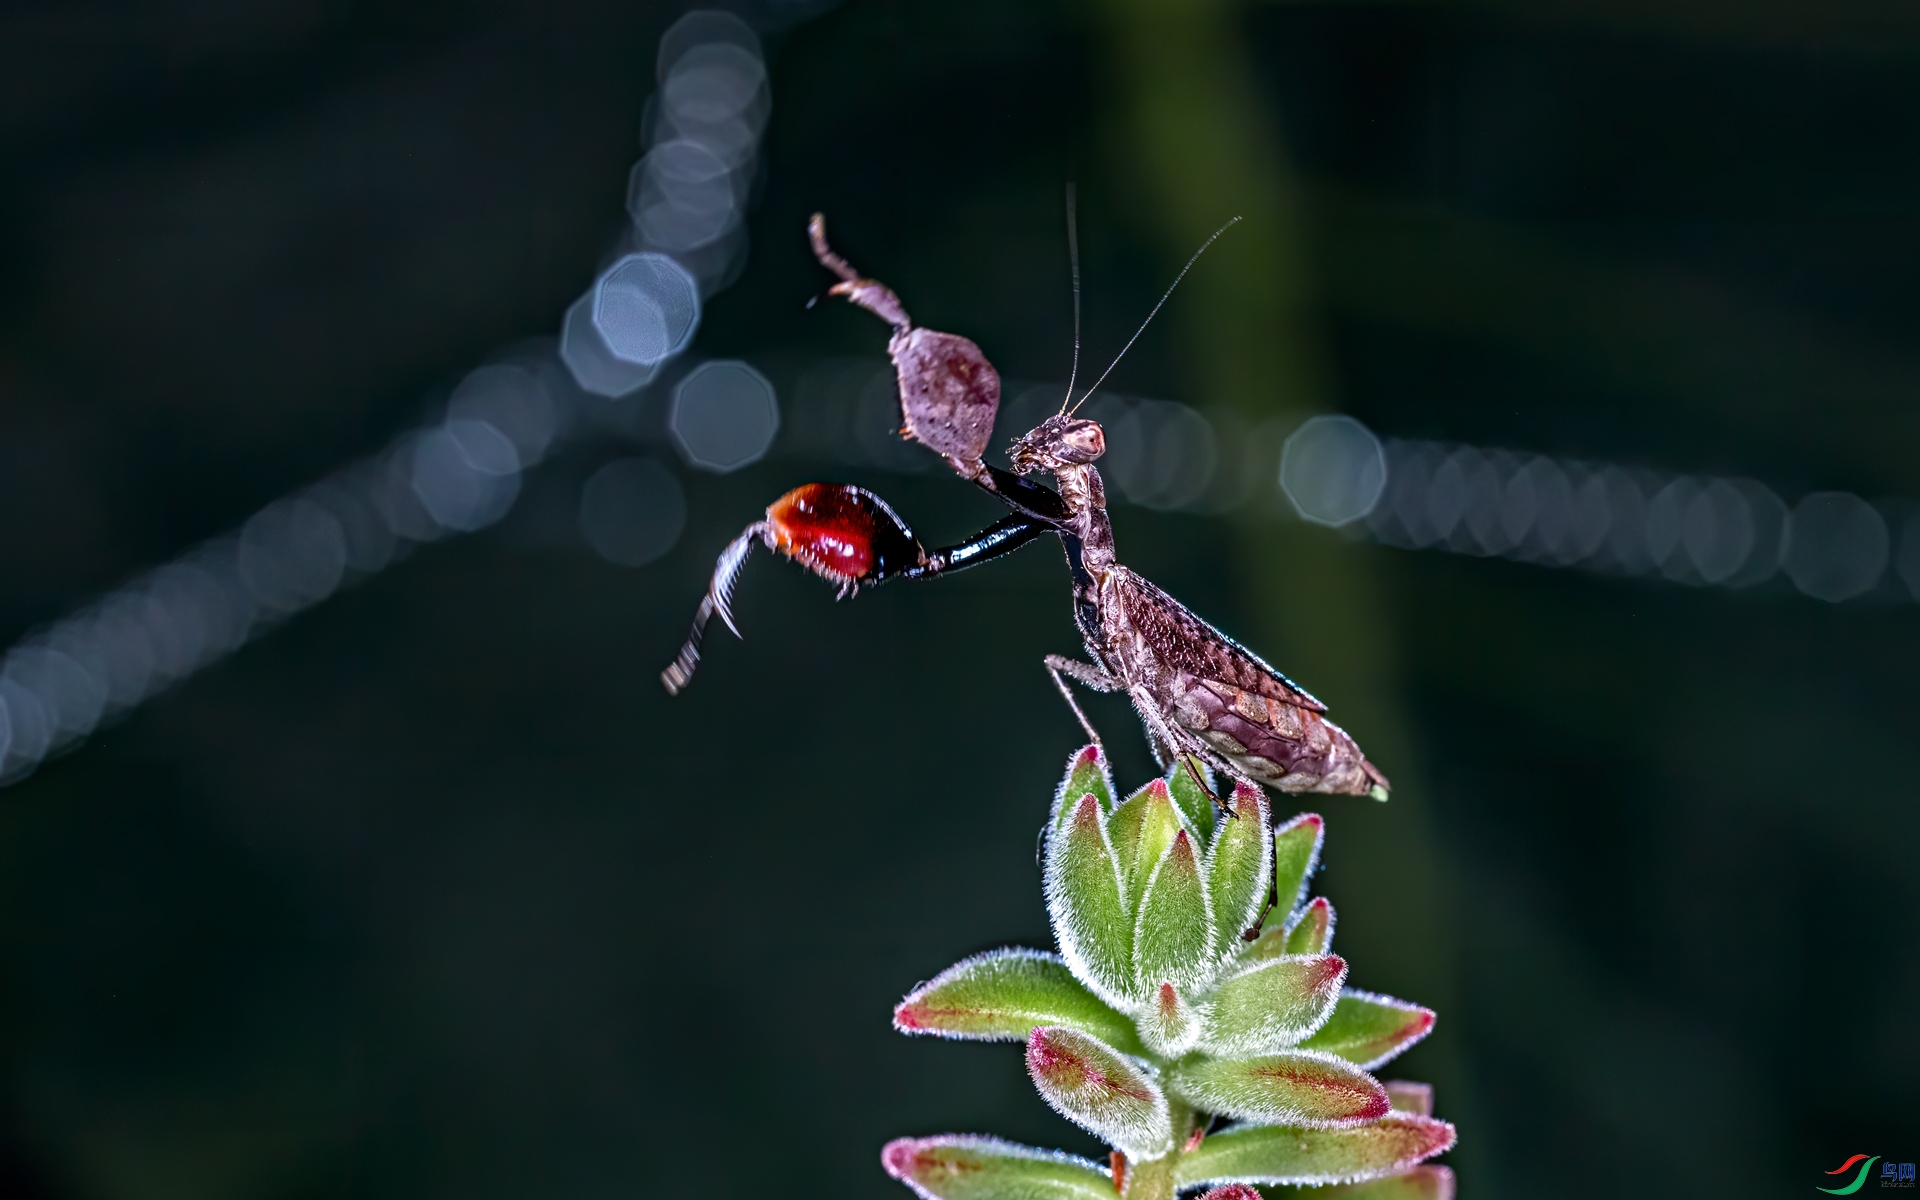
pixel 1085 674
pixel 1162 732
pixel 717 600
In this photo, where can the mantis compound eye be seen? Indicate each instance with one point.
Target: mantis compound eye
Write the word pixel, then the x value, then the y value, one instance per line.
pixel 1082 441
pixel 1058 441
pixel 842 533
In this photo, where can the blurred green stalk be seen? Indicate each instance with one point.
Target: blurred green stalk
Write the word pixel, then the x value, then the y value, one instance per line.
pixel 1191 126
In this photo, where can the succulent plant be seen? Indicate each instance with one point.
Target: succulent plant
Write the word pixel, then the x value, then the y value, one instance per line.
pixel 1191 986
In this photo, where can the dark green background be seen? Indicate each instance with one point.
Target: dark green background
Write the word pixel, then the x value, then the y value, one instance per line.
pixel 433 892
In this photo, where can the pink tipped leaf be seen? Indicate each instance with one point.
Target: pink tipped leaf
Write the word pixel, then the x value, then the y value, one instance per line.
pixel 1102 1091
pixel 1233 1191
pixel 1273 1005
pixel 1091 920
pixel 1301 1088
pixel 1173 934
pixel 1143 827
pixel 960 1167
pixel 1368 1029
pixel 1312 931
pixel 1276 1154
pixel 1169 1025
pixel 1238 868
pixel 1000 996
pixel 1086 775
pixel 1296 853
pixel 1194 802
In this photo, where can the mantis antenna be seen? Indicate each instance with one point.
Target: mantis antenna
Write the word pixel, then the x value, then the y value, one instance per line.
pixel 1150 316
pixel 1073 255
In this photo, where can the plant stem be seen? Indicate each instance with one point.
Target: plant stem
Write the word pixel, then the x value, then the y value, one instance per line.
pixel 1154 1180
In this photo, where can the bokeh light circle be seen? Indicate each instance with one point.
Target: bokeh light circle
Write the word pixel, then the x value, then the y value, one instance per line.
pixel 632 511
pixel 724 415
pixel 1333 470
pixel 1837 546
pixel 646 308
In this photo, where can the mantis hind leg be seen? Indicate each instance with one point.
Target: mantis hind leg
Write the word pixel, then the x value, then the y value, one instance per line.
pixel 1061 668
pixel 1189 745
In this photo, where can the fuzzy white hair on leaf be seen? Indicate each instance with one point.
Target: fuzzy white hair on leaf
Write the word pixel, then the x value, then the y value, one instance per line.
pixel 1274 1004
pixel 1062 802
pixel 1250 891
pixel 1289 906
pixel 958 970
pixel 1305 1089
pixel 1393 1002
pixel 1202 1169
pixel 1199 967
pixel 897 1157
pixel 1112 983
pixel 1171 1024
pixel 1111 1095
pixel 1306 910
pixel 1002 994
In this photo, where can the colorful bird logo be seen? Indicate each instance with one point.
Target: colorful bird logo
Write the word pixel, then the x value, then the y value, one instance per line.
pixel 1859 1181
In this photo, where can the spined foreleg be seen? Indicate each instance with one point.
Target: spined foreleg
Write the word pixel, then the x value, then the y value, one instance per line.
pixel 849 537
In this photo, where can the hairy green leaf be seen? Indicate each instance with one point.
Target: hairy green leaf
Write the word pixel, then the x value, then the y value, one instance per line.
pixel 1002 994
pixel 1091 919
pixel 1296 852
pixel 1094 1086
pixel 1237 869
pixel 1293 1088
pixel 1170 1025
pixel 1086 775
pixel 1284 1154
pixel 1424 1182
pixel 959 1167
pixel 1128 816
pixel 1270 1006
pixel 1272 943
pixel 1368 1029
pixel 1142 829
pixel 1194 802
pixel 1312 931
pixel 1173 935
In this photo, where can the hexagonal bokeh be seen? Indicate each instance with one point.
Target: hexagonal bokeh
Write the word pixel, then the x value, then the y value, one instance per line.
pixel 591 364
pixel 1333 470
pixel 724 415
pixel 645 308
